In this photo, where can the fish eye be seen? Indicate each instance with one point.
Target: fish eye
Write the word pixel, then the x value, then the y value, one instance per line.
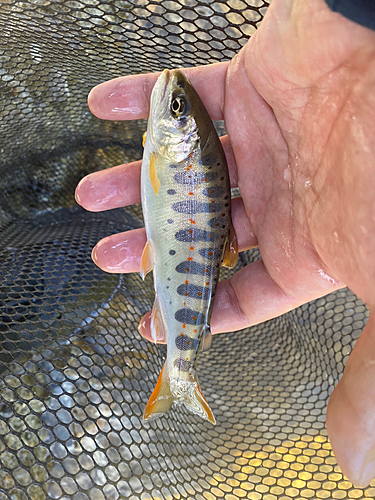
pixel 179 107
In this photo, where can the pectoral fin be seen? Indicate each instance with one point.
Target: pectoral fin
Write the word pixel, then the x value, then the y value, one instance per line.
pixel 144 136
pixel 230 256
pixel 155 183
pixel 147 260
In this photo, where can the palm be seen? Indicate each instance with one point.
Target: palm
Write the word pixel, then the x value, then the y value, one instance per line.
pixel 298 104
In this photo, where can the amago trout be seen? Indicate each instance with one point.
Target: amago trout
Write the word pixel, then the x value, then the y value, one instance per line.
pixel 186 207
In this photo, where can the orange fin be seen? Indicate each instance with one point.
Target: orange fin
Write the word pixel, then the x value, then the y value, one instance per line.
pixel 180 391
pixel 230 256
pixel 157 326
pixel 155 183
pixel 144 135
pixel 207 415
pixel 147 260
pixel 207 339
pixel 161 398
pixel 189 393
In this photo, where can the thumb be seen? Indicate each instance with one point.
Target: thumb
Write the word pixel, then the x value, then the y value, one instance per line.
pixel 351 411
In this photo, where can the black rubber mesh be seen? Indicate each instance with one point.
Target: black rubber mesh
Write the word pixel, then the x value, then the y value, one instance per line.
pixel 75 374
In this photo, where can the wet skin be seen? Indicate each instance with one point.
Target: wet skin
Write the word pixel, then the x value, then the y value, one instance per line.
pixel 299 106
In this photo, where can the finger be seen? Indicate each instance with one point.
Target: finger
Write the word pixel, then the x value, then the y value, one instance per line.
pixel 120 253
pixel 121 186
pixel 251 297
pixel 112 188
pixel 351 412
pixel 128 97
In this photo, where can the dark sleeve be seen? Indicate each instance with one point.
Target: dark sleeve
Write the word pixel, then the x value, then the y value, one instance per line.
pixel 359 11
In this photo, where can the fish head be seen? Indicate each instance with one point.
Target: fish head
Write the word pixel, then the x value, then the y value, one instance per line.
pixel 174 110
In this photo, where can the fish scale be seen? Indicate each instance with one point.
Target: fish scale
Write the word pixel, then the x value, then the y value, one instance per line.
pixel 186 204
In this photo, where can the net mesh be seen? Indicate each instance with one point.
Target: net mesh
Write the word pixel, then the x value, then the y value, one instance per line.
pixel 74 373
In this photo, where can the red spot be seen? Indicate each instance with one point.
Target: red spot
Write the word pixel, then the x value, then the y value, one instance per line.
pixel 184 303
pixel 212 191
pixel 192 221
pixel 187 269
pixel 200 294
pixel 181 334
pixel 209 253
pixel 184 325
pixel 206 270
pixel 191 194
pixel 188 342
pixel 187 293
pixel 190 231
pixel 207 283
pixel 195 331
pixel 204 179
pixel 190 258
pixel 186 282
pixel 194 317
pixel 191 248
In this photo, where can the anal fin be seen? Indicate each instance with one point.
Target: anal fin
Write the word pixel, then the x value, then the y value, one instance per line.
pixel 147 260
pixel 230 255
pixel 157 325
pixel 161 398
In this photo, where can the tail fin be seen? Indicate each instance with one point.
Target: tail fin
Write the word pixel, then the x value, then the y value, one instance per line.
pixel 196 403
pixel 161 398
pixel 182 392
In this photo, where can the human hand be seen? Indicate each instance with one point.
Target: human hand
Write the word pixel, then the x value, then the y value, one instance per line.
pixel 298 103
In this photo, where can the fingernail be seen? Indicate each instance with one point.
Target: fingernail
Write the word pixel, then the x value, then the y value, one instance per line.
pixel 144 326
pixel 368 474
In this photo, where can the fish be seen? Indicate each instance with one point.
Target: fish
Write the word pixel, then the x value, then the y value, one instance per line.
pixel 186 203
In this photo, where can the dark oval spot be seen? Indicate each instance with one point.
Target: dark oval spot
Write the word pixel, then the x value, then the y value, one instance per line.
pixel 184 343
pixel 214 191
pixel 193 207
pixel 171 191
pixel 194 177
pixel 182 365
pixel 191 267
pixel 194 291
pixel 211 253
pixel 172 252
pixel 209 159
pixel 189 317
pixel 188 235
